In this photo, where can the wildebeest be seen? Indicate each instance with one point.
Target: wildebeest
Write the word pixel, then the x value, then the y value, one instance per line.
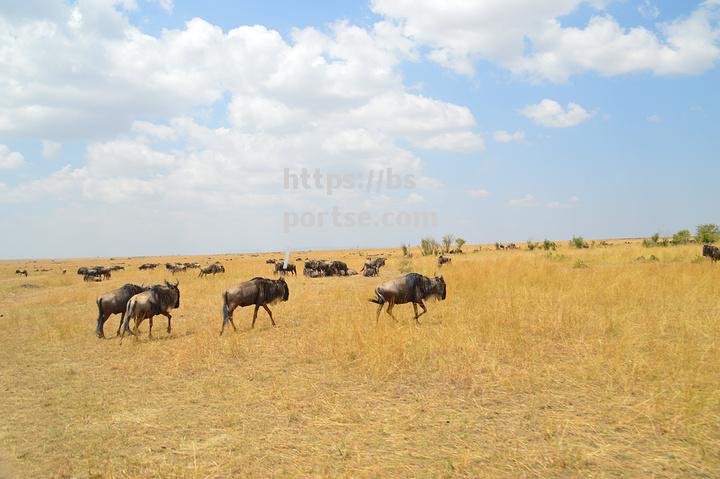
pixel 21 271
pixel 115 302
pixel 376 263
pixel 270 261
pixel 148 266
pixel 192 265
pixel 116 268
pixel 370 271
pixel 443 259
pixel 212 269
pixel 712 252
pixel 281 268
pixel 175 267
pixel 259 292
pixel 411 288
pixel 158 299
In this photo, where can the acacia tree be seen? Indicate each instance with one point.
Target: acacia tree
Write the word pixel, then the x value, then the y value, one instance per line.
pixel 447 241
pixel 707 233
pixel 460 243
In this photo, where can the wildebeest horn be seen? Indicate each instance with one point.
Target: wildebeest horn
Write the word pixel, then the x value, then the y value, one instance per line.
pixel 177 282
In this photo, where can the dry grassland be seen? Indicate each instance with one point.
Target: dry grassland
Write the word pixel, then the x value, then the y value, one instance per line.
pixel 532 367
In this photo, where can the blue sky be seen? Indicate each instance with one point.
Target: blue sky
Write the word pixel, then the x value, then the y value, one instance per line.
pixel 159 127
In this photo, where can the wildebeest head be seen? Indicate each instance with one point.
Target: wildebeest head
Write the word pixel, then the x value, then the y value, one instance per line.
pixel 436 287
pixel 174 288
pixel 284 288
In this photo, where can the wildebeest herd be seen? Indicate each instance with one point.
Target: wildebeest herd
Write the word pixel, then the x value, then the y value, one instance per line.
pixel 136 303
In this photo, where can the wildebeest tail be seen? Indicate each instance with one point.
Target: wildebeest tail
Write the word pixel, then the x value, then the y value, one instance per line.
pixel 226 310
pixel 380 298
pixel 129 310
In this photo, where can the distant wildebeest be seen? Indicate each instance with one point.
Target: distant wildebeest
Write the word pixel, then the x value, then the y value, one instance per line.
pixel 281 268
pixel 192 265
pixel 376 263
pixel 212 269
pixel 21 271
pixel 64 271
pixel 270 261
pixel 443 259
pixel 158 299
pixel 175 267
pixel 370 271
pixel 257 292
pixel 148 266
pixel 411 288
pixel 712 252
pixel 115 302
pixel 116 268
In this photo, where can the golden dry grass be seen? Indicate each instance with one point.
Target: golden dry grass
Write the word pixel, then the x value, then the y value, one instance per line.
pixel 533 367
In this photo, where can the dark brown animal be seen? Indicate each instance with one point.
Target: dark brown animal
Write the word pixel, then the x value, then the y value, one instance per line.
pixel 443 260
pixel 370 271
pixel 257 292
pixel 159 299
pixel 411 288
pixel 115 302
pixel 148 266
pixel 212 269
pixel 282 269
pixel 21 271
pixel 376 263
pixel 712 252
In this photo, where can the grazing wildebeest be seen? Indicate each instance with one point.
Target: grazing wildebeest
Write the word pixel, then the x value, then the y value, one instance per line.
pixel 21 271
pixel 175 267
pixel 116 268
pixel 281 268
pixel 93 276
pixel 192 265
pixel 339 268
pixel 212 269
pixel 115 302
pixel 443 259
pixel 158 299
pixel 712 252
pixel 148 266
pixel 270 261
pixel 376 263
pixel 258 292
pixel 411 288
pixel 370 271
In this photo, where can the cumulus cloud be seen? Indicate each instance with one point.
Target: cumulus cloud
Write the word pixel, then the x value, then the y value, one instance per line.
pixel 50 149
pixel 502 136
pixel 10 159
pixel 528 38
pixel 527 201
pixel 478 193
pixel 570 203
pixel 551 114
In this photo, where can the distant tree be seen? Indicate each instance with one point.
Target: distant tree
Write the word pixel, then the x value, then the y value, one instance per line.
pixel 681 237
pixel 549 245
pixel 579 242
pixel 531 246
pixel 707 233
pixel 447 242
pixel 460 243
pixel 428 246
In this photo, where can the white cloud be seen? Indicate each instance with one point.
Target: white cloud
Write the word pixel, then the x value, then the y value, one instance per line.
pixel 458 142
pixel 648 10
pixel 527 37
pixel 527 201
pixel 551 114
pixel 50 149
pixel 502 136
pixel 654 119
pixel 479 193
pixel 10 159
pixel 570 203
pixel 414 198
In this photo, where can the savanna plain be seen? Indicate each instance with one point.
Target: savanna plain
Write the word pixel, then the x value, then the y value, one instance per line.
pixel 597 362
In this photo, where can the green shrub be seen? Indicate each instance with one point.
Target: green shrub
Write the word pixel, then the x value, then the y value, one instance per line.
pixel 578 242
pixel 708 233
pixel 682 237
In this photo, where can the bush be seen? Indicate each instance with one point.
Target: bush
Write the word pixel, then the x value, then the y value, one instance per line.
pixel 531 246
pixel 460 243
pixel 681 237
pixel 428 246
pixel 447 242
pixel 548 245
pixel 578 242
pixel 707 233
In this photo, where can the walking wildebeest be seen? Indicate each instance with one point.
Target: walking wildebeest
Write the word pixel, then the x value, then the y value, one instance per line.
pixel 212 269
pixel 21 271
pixel 158 299
pixel 115 302
pixel 443 259
pixel 281 268
pixel 370 271
pixel 373 263
pixel 712 252
pixel 258 292
pixel 411 288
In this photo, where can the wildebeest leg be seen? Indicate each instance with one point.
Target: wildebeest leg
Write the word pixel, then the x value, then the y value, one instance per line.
pixel 377 316
pixel 257 306
pixel 389 311
pixel 270 314
pixel 150 331
pixel 424 310
pixel 169 317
